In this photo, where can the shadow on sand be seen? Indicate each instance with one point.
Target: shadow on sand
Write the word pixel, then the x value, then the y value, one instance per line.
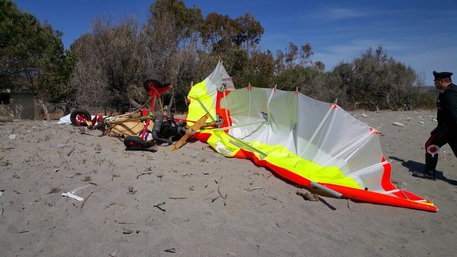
pixel 417 166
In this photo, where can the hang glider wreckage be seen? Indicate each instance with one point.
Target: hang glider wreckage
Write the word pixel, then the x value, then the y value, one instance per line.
pixel 311 143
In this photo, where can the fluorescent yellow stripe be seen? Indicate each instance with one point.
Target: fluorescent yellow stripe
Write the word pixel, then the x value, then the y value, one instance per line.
pixel 198 91
pixel 281 157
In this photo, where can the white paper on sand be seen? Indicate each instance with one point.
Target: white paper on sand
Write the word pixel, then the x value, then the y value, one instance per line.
pixel 72 194
pixel 64 120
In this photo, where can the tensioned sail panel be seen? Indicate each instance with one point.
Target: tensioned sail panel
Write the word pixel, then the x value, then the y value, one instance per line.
pixel 306 141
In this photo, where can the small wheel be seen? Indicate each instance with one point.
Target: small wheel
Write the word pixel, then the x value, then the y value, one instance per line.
pixel 79 117
pixel 136 143
pixel 150 82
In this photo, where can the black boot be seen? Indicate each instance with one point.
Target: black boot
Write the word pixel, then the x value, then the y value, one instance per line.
pixel 431 161
pixel 430 164
pixel 425 174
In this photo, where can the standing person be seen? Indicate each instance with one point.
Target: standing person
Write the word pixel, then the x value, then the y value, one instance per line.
pixel 446 131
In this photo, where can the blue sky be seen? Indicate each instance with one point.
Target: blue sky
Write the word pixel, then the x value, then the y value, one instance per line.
pixel 421 34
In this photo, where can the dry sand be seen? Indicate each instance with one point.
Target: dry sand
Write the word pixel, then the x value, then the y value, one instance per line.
pixel 194 202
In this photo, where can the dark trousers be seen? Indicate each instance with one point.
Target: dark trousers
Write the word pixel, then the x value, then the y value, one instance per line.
pixel 438 137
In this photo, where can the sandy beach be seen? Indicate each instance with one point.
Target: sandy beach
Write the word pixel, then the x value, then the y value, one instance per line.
pixel 195 202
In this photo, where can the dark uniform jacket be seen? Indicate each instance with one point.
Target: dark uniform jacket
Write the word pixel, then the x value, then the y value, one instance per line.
pixel 447 109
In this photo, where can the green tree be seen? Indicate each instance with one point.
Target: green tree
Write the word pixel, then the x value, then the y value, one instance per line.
pixel 31 55
pixel 377 81
pixel 293 57
pixel 260 69
pixel 216 32
pixel 222 34
pixel 381 81
pixel 294 69
pixel 247 32
pixel 341 77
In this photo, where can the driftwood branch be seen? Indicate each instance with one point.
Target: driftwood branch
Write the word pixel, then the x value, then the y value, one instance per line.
pixel 177 197
pixel 308 196
pixel 87 197
pixel 71 151
pixel 219 191
pixel 144 173
pixel 158 206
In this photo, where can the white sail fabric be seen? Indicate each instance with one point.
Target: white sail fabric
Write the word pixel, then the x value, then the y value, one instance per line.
pixel 316 131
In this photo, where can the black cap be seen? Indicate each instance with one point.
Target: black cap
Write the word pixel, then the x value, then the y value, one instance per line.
pixel 442 75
